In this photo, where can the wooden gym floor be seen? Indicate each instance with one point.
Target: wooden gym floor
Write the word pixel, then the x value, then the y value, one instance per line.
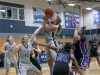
pixel 93 70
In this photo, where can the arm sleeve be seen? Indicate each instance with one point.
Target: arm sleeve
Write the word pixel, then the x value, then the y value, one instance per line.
pixel 82 38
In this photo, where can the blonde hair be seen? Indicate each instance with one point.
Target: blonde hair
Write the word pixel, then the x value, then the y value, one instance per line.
pixel 22 38
pixel 60 27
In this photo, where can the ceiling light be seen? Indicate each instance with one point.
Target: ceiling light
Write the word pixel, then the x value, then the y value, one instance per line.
pixel 88 8
pixel 71 4
pixel 49 0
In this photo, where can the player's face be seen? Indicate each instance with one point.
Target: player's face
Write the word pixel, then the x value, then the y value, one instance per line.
pixel 25 39
pixel 95 36
pixel 10 38
pixel 54 19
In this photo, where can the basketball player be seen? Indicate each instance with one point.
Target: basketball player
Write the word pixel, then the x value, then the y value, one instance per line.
pixel 36 50
pixel 35 60
pixel 24 64
pixel 61 66
pixel 80 51
pixel 51 29
pixel 10 59
pixel 94 45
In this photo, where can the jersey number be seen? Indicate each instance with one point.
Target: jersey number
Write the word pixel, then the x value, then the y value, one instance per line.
pixel 11 50
pixel 26 55
pixel 63 57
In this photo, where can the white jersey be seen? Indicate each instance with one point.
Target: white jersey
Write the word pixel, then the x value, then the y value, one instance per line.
pixel 9 48
pixel 50 35
pixel 24 53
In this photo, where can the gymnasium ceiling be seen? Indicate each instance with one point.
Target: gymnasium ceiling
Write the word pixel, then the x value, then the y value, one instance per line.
pixel 81 3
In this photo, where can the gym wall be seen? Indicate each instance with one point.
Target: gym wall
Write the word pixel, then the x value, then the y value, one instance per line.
pixel 27 26
pixel 91 27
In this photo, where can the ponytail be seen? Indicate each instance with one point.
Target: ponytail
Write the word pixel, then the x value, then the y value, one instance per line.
pixel 7 39
pixel 22 39
pixel 59 29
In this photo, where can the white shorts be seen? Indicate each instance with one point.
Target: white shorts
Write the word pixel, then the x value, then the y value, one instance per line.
pixel 51 54
pixel 10 61
pixel 27 69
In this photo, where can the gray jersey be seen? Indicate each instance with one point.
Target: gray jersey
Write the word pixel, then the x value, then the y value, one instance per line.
pixel 50 39
pixel 50 35
pixel 24 53
pixel 10 48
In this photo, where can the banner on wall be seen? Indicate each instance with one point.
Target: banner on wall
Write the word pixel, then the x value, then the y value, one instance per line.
pixel 42 57
pixel 68 21
pixel 39 13
pixel 77 19
pixel 71 20
pixel 96 16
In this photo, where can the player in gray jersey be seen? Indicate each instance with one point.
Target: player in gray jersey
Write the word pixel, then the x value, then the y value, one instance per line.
pixel 24 50
pixel 10 59
pixel 51 29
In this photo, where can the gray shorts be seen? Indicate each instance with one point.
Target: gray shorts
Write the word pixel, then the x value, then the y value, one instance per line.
pixel 10 61
pixel 51 54
pixel 27 69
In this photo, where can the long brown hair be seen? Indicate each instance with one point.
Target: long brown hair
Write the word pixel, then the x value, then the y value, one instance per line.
pixel 60 27
pixel 8 38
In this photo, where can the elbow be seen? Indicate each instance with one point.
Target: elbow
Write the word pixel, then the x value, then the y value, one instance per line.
pixel 39 52
pixel 73 59
pixel 76 38
pixel 44 28
pixel 1 50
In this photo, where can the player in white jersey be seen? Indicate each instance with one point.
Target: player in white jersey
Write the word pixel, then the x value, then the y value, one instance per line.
pixel 24 50
pixel 10 59
pixel 51 29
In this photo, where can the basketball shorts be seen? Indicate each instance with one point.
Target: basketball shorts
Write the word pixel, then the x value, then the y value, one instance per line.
pixel 93 54
pixel 82 62
pixel 36 63
pixel 51 54
pixel 27 69
pixel 61 69
pixel 10 61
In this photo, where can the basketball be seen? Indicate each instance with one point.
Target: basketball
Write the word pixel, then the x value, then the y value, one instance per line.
pixel 49 11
